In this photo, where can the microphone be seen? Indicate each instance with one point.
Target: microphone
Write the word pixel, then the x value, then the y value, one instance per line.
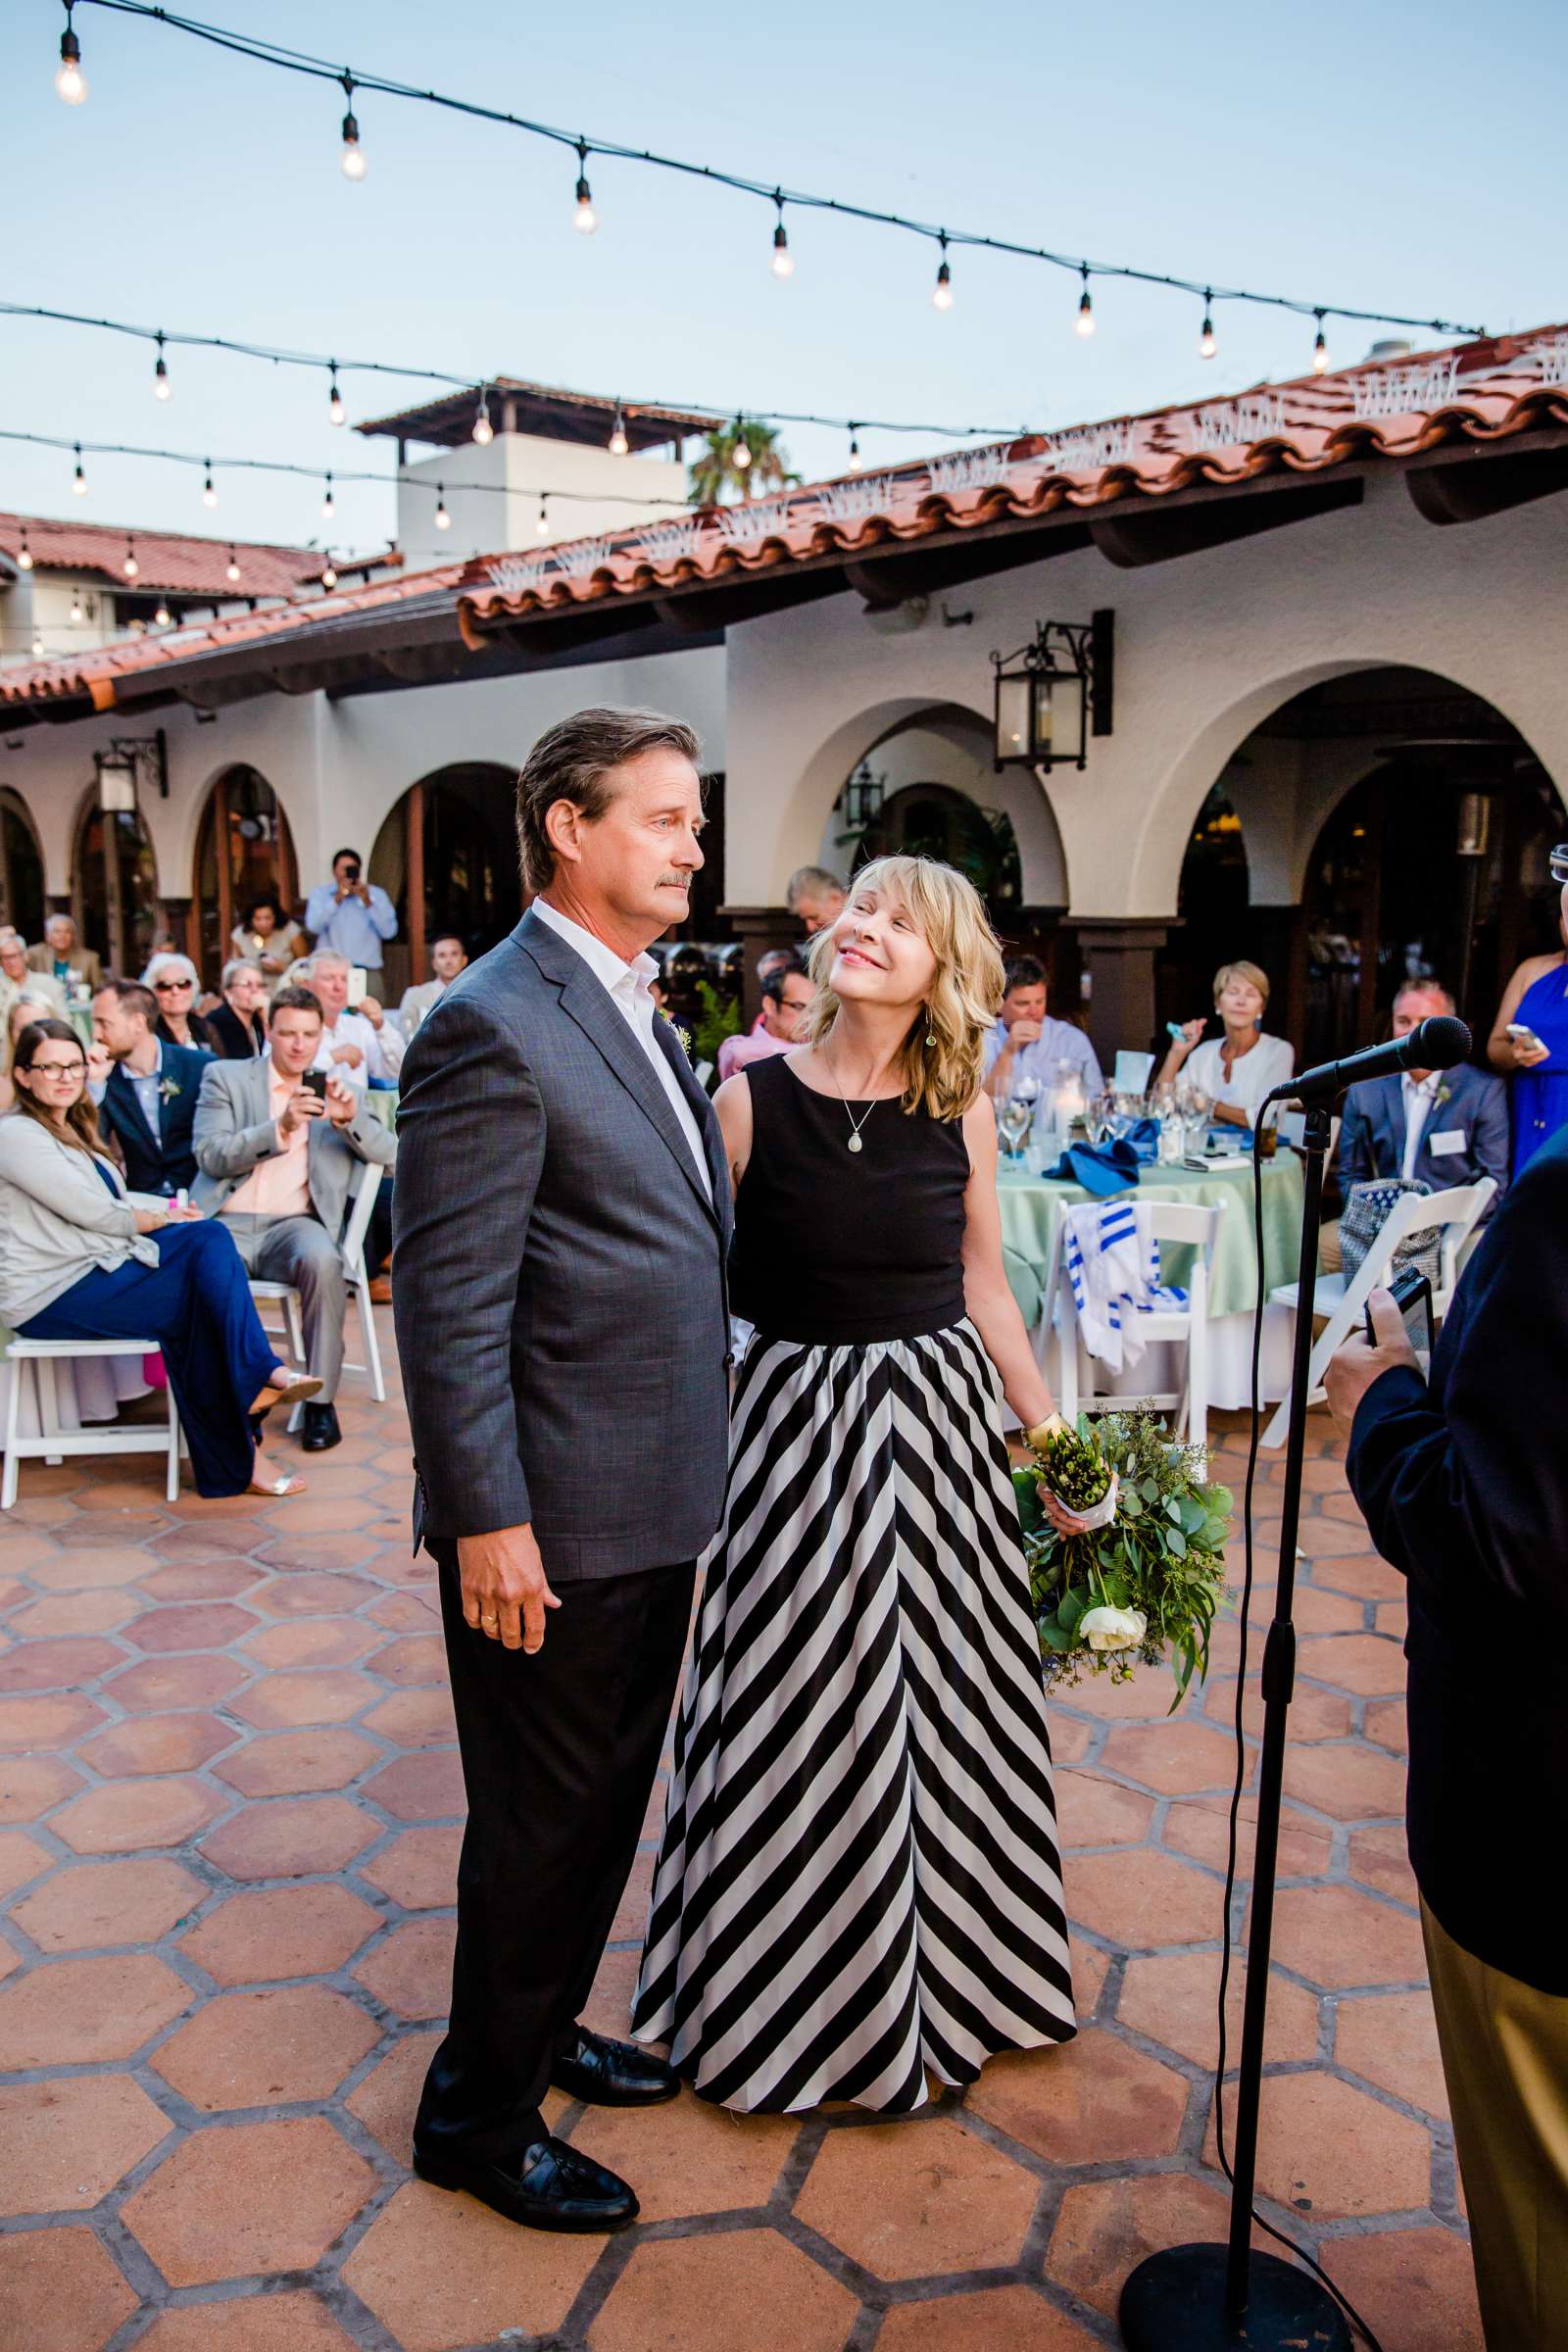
pixel 1438 1042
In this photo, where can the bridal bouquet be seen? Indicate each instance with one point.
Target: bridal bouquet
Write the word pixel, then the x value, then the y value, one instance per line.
pixel 1145 1582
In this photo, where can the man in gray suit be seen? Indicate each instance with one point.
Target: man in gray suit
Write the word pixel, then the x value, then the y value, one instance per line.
pixel 562 1219
pixel 276 1160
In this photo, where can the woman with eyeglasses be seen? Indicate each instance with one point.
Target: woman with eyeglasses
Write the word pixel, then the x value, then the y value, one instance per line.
pixel 173 982
pixel 239 1027
pixel 1529 1041
pixel 82 1259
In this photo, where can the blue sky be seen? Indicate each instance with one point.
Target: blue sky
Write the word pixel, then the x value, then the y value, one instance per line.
pixel 1371 154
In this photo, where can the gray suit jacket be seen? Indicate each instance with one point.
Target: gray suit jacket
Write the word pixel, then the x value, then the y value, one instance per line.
pixel 1475 1109
pixel 233 1129
pixel 560 1302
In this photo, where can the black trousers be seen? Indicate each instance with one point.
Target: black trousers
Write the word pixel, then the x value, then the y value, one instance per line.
pixel 560 1751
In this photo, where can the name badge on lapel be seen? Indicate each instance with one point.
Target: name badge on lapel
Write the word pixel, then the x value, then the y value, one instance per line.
pixel 1444 1145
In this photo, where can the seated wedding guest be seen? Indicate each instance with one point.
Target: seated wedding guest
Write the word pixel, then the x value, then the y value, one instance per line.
pixel 1535 999
pixel 275 1162
pixel 1240 1068
pixel 448 957
pixel 816 895
pixel 350 916
pixel 16 978
pixel 27 1005
pixel 269 936
pixel 1440 1127
pixel 360 1043
pixel 787 993
pixel 144 1087
pixel 61 955
pixel 238 1022
pixel 80 1260
pixel 173 980
pixel 1026 1044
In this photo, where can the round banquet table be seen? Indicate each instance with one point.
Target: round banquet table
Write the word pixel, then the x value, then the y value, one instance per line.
pixel 1032 1209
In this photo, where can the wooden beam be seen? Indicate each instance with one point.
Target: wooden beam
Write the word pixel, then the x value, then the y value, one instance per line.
pixel 1468 491
pixel 1131 537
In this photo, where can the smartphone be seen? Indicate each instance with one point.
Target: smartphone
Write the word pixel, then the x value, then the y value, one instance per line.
pixel 359 986
pixel 315 1083
pixel 1521 1035
pixel 1411 1294
pixel 1176 1033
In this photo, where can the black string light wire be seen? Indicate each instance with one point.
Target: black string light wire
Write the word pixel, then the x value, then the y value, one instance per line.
pixel 321 68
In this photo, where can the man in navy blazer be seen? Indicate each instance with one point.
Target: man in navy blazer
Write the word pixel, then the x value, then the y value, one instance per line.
pixel 1441 1127
pixel 145 1089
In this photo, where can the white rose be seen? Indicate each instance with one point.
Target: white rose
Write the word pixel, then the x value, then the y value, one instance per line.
pixel 1113 1629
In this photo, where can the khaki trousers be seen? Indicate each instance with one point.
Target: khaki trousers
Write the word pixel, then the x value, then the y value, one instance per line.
pixel 1505 2061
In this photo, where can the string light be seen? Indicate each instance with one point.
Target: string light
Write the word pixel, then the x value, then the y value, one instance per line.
pixel 941 293
pixel 584 219
pixel 353 160
pixel 79 479
pixel 484 432
pixel 37 641
pixel 854 454
pixel 75 606
pixel 328 574
pixel 1207 340
pixel 209 487
pixel 1320 349
pixel 741 454
pixel 542 526
pixel 1085 321
pixel 160 617
pixel 131 567
pixel 161 387
pixel 231 567
pixel 443 520
pixel 70 82
pixel 328 503
pixel 24 552
pixel 618 445
pixel 783 262
pixel 336 413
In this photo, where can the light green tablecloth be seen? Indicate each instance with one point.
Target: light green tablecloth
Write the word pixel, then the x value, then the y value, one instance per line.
pixel 80 1018
pixel 384 1105
pixel 1031 1230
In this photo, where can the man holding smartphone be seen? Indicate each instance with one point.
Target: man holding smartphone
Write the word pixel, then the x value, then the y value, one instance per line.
pixel 351 916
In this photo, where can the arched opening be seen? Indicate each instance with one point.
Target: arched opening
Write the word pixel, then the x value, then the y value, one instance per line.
pixel 113 889
pixel 447 858
pixel 21 901
pixel 1213 911
pixel 244 850
pixel 934 820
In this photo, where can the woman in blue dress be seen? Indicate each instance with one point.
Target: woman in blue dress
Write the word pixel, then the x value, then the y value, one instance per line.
pixel 81 1259
pixel 1535 999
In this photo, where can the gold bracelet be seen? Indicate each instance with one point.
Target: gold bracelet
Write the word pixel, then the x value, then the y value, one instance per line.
pixel 1035 1437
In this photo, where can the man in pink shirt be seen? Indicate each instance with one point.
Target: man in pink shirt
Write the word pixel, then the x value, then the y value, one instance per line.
pixel 785 993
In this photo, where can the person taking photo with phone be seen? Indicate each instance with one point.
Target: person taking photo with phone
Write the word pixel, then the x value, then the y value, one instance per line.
pixel 348 916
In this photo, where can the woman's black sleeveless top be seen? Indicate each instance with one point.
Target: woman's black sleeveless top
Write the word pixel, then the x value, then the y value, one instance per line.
pixel 835 1247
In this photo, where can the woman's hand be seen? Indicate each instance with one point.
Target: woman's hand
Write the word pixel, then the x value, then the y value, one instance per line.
pixel 1527 1057
pixel 1191 1035
pixel 150 1220
pixel 1061 1519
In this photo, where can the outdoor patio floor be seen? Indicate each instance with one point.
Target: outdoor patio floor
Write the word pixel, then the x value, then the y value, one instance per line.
pixel 231 1809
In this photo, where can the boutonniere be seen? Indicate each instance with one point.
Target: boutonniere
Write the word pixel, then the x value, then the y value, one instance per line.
pixel 1445 1094
pixel 168 1088
pixel 684 1035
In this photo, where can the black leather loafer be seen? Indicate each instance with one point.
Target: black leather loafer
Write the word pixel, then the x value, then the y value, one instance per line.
pixel 612 2073
pixel 549 2186
pixel 319 1428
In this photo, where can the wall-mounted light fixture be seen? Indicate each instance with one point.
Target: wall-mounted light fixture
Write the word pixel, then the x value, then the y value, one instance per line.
pixel 1053 694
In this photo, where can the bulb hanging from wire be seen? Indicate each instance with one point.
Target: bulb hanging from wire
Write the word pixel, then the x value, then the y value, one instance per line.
pixel 131 567
pixel 353 160
pixel 75 608
pixel 443 520
pixel 231 567
pixel 783 262
pixel 79 483
pixel 942 292
pixel 1207 340
pixel 855 452
pixel 1085 320
pixel 618 445
pixel 209 487
pixel 328 503
pixel 336 413
pixel 584 219
pixel 37 641
pixel 484 432
pixel 328 574
pixel 542 526
pixel 741 454
pixel 161 387
pixel 161 616
pixel 1320 348
pixel 24 552
pixel 70 82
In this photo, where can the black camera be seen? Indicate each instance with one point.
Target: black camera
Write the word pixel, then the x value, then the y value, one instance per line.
pixel 350 870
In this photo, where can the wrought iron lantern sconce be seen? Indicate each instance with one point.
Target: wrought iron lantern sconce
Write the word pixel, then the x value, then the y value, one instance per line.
pixel 120 772
pixel 1053 695
pixel 862 798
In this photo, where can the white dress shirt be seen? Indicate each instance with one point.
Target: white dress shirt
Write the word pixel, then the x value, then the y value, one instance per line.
pixel 626 986
pixel 352 1028
pixel 1253 1074
pixel 1418 1102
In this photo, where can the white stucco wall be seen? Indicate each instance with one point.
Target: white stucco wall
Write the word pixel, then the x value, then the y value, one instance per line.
pixel 493 492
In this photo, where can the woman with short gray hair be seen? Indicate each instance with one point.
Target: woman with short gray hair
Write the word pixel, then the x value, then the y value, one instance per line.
pixel 174 981
pixel 240 1024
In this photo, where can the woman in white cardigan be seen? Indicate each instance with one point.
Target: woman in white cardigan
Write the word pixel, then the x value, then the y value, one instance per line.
pixel 1239 1069
pixel 82 1259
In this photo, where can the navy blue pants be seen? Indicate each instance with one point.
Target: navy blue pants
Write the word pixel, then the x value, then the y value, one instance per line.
pixel 196 1304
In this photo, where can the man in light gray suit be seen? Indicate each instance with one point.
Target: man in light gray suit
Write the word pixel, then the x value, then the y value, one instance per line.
pixel 275 1159
pixel 562 1219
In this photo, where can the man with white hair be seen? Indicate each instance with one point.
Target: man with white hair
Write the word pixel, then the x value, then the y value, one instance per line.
pixel 358 1045
pixel 61 955
pixel 816 895
pixel 16 974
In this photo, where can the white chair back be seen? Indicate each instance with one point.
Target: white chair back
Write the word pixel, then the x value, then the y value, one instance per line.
pixel 1197 1224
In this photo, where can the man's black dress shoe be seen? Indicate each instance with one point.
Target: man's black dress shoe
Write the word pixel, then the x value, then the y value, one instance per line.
pixel 318 1429
pixel 612 2073
pixel 548 2186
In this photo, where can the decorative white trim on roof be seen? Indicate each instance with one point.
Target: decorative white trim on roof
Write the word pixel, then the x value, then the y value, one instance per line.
pixel 1229 423
pixel 752 522
pixel 1090 448
pixel 969 468
pixel 670 542
pixel 856 499
pixel 518 575
pixel 581 556
pixel 1551 359
pixel 1402 391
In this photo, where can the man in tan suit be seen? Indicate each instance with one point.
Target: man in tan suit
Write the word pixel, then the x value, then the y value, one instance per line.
pixel 61 954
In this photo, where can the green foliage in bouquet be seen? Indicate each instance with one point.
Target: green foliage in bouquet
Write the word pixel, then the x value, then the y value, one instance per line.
pixel 717 1021
pixel 1150 1584
pixel 1075 1469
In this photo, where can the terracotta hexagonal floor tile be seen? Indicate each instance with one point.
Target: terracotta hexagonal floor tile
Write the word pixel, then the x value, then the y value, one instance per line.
pixel 441 2270
pixel 157 1743
pixel 256 2197
pixel 1093 1811
pixel 734 2293
pixel 73 1613
pixel 1315 1713
pixel 30 1785
pixel 1381 1858
pixel 262 2049
pixel 323 1515
pixel 99 1904
pixel 303 1590
pixel 1349 1779
pixel 411 1970
pixel 20 1858
pixel 1369 1664
pixel 212 1542
pixel 1071 1738
pixel 1137 1701
pixel 69 2140
pixel 293 1763
pixel 89 1570
pixel 189 1577
pixel 609 2006
pixel 918 2199
pixel 59 1665
pixel 421 1788
pixel 55 1720
pixel 1012 2316
pixel 418 1869
pixel 1144 1898
pixel 60 2292
pixel 1090 1968
pixel 303 1641
pixel 418 1658
pixel 1105 2227
pixel 1200 1828
pixel 408 1612
pixel 1390 2038
pixel 74 2012
pixel 127 1817
pixel 153 1686
pixel 1091 2101
pixel 420 1718
pixel 1173 1997
pixel 284 1702
pixel 1416 2288
pixel 1387 1722
pixel 1337 1937
pixel 1329 2150
pixel 290 1837
pixel 386 2101
pixel 281 1931
pixel 688 2157
pixel 196 1625
pixel 1175 1758
pixel 289 2323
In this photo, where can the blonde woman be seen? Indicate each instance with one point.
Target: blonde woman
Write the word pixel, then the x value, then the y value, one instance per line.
pixel 1241 1069
pixel 858 1886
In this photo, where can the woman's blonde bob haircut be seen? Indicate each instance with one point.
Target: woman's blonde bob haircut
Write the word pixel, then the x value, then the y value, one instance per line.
pixel 944 1053
pixel 1252 973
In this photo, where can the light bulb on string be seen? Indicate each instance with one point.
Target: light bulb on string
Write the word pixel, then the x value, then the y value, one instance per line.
pixel 443 520
pixel 584 219
pixel 328 574
pixel 231 567
pixel 942 292
pixel 542 526
pixel 131 567
pixel 741 454
pixel 24 552
pixel 37 641
pixel 1320 348
pixel 160 617
pixel 70 82
pixel 328 503
pixel 79 482
pixel 209 487
pixel 336 413
pixel 162 389
pixel 1207 340
pixel 855 452
pixel 783 262
pixel 75 608
pixel 617 444
pixel 484 432
pixel 353 160
pixel 1085 321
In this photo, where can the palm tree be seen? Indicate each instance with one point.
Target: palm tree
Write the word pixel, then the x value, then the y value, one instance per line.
pixel 720 468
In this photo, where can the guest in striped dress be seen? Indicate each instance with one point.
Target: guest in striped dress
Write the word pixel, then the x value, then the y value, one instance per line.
pixel 859 1888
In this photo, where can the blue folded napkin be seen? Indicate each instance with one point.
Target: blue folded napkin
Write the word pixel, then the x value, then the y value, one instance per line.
pixel 1100 1168
pixel 1143 1138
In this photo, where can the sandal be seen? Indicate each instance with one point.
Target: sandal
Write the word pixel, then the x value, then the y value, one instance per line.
pixel 293 1392
pixel 276 1487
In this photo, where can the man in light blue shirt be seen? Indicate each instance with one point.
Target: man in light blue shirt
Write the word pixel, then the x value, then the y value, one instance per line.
pixel 1025 1044
pixel 348 916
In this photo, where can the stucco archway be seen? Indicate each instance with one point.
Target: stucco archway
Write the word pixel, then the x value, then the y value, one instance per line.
pixel 243 849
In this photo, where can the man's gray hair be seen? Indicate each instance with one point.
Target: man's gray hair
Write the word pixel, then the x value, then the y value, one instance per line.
pixel 1425 988
pixel 572 761
pixel 233 968
pixel 309 965
pixel 59 916
pixel 811 882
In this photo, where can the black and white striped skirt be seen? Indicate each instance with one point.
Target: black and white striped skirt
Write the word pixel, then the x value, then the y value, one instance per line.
pixel 858 1883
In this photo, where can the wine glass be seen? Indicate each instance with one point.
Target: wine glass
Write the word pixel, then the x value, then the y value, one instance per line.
pixel 1099 1116
pixel 1016 1117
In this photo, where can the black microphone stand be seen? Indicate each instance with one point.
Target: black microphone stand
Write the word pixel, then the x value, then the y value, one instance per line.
pixel 1208 2297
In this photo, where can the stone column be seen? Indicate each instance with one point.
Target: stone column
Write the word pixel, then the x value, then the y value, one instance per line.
pixel 1118 954
pixel 758 928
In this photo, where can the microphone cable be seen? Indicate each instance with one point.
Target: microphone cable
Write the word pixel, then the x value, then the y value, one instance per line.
pixel 1289 2243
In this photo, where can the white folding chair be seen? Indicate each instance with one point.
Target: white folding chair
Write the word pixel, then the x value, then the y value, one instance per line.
pixel 33 1361
pixel 351 1249
pixel 1454 1215
pixel 1185 1327
pixel 702 1073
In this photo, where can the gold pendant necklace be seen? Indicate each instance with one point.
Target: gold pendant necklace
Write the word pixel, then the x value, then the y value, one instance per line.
pixel 856 1125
